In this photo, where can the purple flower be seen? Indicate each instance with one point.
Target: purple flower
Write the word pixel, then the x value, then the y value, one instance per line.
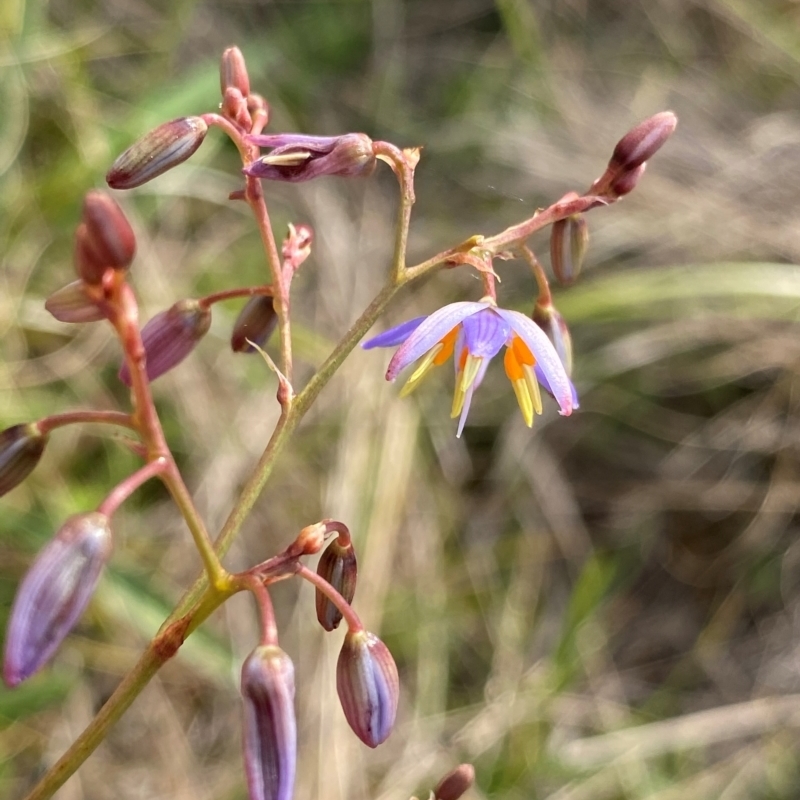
pixel 296 157
pixel 475 333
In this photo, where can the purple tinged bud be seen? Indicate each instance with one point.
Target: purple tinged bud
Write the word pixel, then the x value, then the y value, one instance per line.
pixel 270 730
pixel 70 303
pixel 21 447
pixel 156 152
pixel 54 593
pixel 455 783
pixel 642 142
pixel 256 322
pixel 368 686
pixel 233 72
pixel 170 336
pixel 339 567
pixel 569 239
pixel 297 157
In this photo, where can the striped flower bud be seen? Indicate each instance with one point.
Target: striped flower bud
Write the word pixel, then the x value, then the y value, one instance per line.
pixel 156 152
pixel 21 447
pixel 256 322
pixel 170 336
pixel 368 686
pixel 297 157
pixel 569 239
pixel 642 142
pixel 70 303
pixel 339 567
pixel 270 730
pixel 455 783
pixel 54 593
pixel 233 72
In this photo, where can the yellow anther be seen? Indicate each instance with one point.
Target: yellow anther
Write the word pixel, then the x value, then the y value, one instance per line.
pixel 533 388
pixel 524 400
pixel 421 371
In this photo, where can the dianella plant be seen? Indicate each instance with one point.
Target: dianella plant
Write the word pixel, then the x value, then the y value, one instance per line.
pixel 537 360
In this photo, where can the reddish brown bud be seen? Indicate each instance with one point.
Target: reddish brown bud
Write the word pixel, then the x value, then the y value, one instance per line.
pixel 233 72
pixel 569 239
pixel 21 447
pixel 339 567
pixel 156 152
pixel 55 593
pixel 455 783
pixel 109 234
pixel 170 336
pixel 71 303
pixel 256 322
pixel 642 142
pixel 368 686
pixel 269 731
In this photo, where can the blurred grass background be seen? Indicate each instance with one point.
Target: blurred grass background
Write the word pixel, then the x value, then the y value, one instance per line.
pixel 606 608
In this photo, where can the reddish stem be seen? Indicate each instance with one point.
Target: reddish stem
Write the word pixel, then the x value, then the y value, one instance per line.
pixel 125 489
pixel 232 294
pixel 354 624
pixel 54 421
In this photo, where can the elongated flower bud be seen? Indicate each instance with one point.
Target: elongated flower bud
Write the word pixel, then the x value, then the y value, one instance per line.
pixel 642 142
pixel 368 686
pixel 339 567
pixel 70 303
pixel 21 447
pixel 233 71
pixel 55 593
pixel 270 730
pixel 569 239
pixel 170 336
pixel 256 322
pixel 156 152
pixel 455 783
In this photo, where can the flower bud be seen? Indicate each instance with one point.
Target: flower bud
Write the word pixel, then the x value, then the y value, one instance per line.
pixel 256 322
pixel 170 336
pixel 156 152
pixel 270 731
pixel 642 142
pixel 555 326
pixel 368 686
pixel 233 72
pixel 569 239
pixel 339 567
pixel 108 230
pixel 21 447
pixel 455 783
pixel 297 157
pixel 55 593
pixel 70 303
